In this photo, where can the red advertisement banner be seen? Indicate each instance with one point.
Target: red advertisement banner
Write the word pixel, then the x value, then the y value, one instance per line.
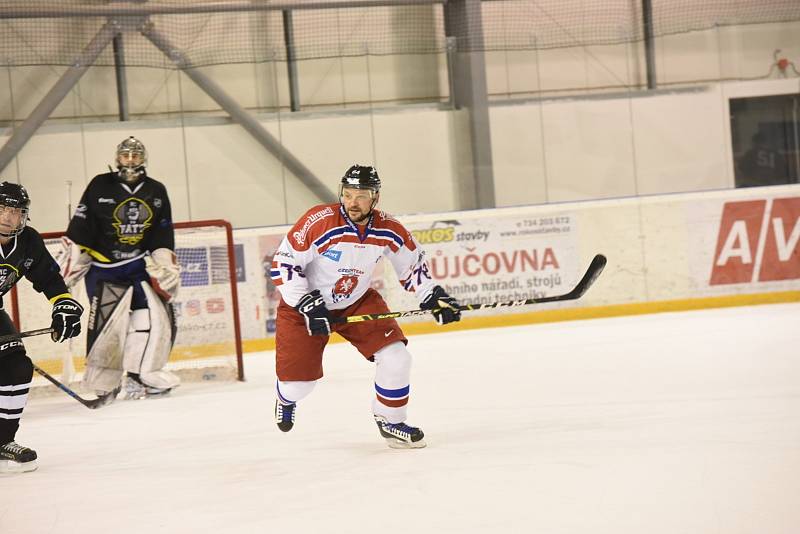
pixel 746 251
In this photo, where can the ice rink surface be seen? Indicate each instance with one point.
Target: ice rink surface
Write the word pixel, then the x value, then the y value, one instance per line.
pixel 659 424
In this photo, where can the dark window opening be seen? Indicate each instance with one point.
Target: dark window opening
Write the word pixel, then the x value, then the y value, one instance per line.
pixel 765 137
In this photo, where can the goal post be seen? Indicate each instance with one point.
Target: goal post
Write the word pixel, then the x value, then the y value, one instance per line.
pixel 208 345
pixel 230 275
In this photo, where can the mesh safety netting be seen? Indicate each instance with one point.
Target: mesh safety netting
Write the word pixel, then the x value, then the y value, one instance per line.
pixel 235 31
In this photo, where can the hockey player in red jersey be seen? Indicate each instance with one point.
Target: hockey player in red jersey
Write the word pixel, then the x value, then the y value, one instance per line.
pixel 323 269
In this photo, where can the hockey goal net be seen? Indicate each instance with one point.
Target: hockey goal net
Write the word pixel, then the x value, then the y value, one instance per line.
pixel 208 345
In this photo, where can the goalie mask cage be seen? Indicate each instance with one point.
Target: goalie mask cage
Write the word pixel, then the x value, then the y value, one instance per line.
pixel 208 345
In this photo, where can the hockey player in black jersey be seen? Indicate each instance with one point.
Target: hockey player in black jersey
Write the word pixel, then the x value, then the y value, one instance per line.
pixel 121 239
pixel 24 254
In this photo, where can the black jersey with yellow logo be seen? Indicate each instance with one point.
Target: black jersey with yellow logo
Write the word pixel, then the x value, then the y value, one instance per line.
pixel 25 255
pixel 116 221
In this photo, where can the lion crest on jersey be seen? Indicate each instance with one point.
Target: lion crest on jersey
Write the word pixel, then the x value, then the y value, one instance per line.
pixel 132 217
pixel 8 277
pixel 344 287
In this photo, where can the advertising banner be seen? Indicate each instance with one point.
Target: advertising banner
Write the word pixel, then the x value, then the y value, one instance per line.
pixel 748 244
pixel 480 259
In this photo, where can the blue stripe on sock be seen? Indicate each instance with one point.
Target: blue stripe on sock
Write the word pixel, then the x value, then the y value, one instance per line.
pixel 283 399
pixel 393 393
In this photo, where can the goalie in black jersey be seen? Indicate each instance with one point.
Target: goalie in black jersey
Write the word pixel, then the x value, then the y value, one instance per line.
pixel 24 254
pixel 121 239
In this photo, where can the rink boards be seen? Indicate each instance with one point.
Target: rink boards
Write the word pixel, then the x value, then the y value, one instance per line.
pixel 665 253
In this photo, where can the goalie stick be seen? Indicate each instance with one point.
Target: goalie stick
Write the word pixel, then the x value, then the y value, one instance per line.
pixel 92 404
pixel 591 274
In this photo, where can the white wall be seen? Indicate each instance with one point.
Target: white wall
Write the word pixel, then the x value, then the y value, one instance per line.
pixel 213 169
pixel 544 151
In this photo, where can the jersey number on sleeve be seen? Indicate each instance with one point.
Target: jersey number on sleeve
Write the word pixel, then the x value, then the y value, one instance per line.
pixel 291 269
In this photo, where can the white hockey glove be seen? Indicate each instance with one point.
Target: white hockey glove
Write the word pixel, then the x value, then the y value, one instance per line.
pixel 165 273
pixel 73 262
pixel 66 319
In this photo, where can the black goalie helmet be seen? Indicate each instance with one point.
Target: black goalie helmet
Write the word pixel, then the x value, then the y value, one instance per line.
pixel 13 197
pixel 131 159
pixel 361 177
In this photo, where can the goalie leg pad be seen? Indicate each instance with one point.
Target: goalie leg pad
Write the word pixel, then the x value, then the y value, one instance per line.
pixel 150 339
pixel 392 378
pixel 109 316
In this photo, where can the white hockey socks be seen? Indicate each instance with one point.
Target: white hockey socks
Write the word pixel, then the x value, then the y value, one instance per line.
pixel 392 377
pixel 291 392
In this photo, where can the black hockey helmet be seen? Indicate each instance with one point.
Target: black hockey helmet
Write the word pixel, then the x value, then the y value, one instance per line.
pixel 361 177
pixel 15 196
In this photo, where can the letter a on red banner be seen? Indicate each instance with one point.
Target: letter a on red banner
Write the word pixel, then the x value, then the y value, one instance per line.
pixel 737 243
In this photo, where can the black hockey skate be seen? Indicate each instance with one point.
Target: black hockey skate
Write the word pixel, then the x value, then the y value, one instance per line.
pixel 400 435
pixel 284 415
pixel 15 458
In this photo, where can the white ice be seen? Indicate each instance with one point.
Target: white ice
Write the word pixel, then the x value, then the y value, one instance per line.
pixel 660 424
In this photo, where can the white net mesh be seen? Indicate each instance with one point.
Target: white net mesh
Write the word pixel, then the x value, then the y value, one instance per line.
pixel 206 344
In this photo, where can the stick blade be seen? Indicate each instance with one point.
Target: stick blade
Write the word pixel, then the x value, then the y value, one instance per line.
pixel 105 400
pixel 595 269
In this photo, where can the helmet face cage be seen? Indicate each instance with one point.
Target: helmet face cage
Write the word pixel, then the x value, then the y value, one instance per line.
pixel 136 158
pixel 14 196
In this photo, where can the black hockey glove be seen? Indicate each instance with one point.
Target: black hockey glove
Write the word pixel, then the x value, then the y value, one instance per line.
pixel 317 316
pixel 66 319
pixel 445 307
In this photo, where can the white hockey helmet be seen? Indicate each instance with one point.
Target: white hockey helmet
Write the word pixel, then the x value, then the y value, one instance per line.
pixel 131 159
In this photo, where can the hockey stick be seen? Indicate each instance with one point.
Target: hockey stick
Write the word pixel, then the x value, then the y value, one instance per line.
pixel 91 404
pixel 591 274
pixel 29 333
